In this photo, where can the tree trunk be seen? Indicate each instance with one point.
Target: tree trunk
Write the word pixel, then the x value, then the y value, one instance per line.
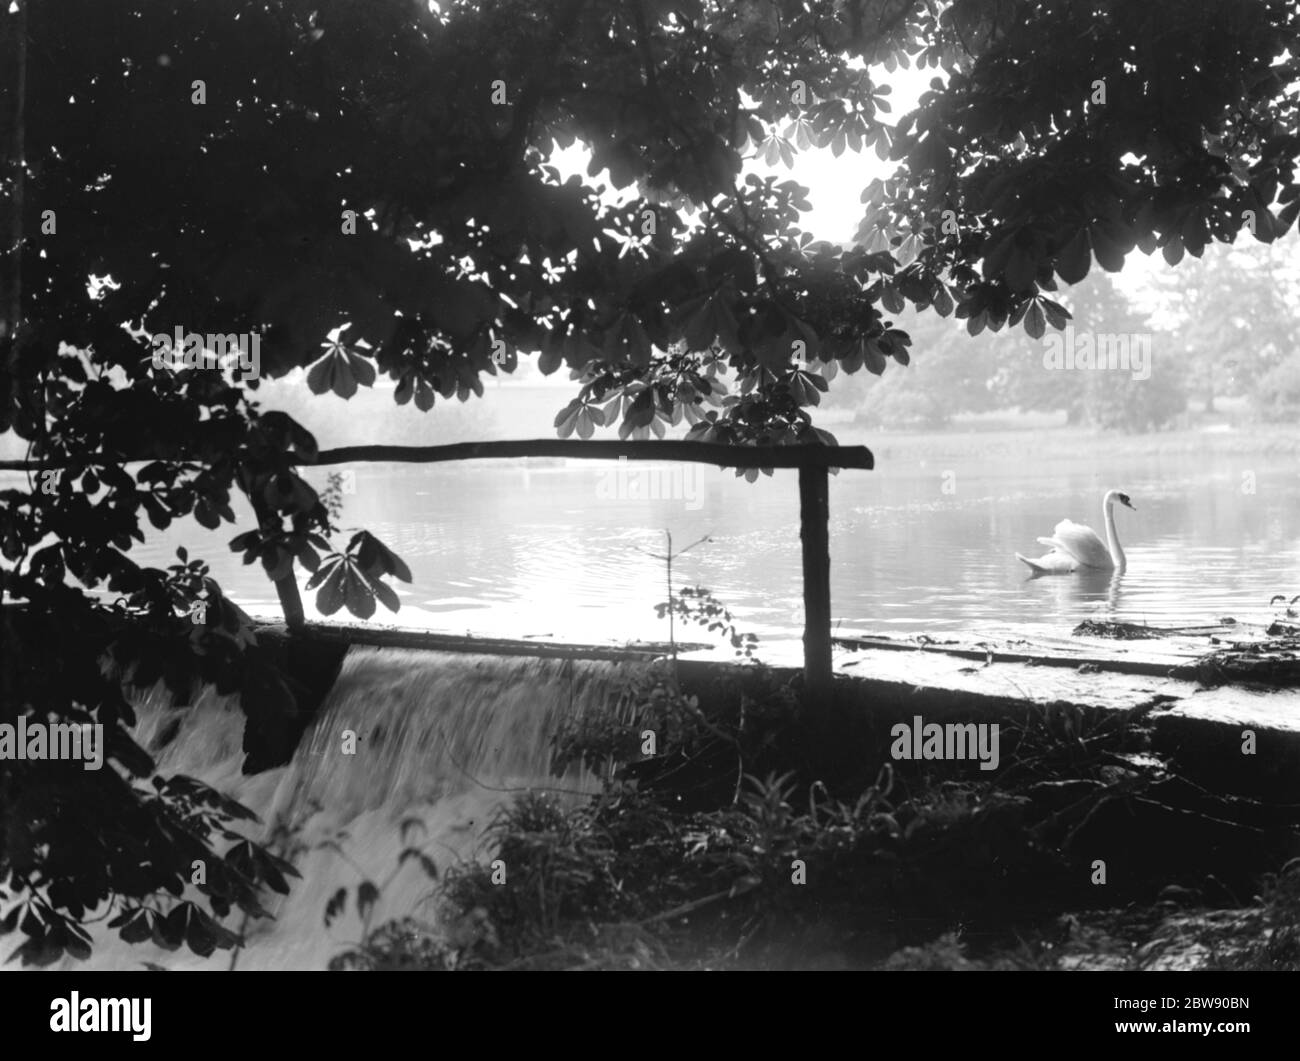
pixel 13 295
pixel 286 588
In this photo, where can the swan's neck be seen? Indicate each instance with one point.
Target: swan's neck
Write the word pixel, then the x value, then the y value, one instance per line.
pixel 1112 539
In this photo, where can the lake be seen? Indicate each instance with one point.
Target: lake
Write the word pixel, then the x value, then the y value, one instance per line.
pixel 924 543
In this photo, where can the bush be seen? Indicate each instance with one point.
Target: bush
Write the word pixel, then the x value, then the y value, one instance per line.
pixel 904 408
pixel 1277 395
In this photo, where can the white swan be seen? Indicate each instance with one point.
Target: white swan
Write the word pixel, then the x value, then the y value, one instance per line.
pixel 1078 548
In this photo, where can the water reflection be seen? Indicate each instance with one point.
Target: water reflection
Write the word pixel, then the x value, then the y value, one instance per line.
pixel 1088 586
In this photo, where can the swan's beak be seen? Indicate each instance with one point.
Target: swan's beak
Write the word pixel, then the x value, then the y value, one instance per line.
pixel 1127 503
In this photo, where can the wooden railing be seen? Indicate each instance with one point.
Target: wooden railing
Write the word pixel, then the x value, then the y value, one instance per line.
pixel 813 462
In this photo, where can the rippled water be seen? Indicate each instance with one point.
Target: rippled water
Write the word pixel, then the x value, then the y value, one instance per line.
pixel 920 544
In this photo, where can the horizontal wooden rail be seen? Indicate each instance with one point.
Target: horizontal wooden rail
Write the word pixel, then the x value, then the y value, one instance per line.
pixel 803 456
pixel 811 456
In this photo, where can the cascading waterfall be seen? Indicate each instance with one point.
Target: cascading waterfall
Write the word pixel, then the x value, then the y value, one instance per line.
pixel 445 738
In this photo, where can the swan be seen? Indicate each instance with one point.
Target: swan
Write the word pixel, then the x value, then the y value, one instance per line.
pixel 1078 548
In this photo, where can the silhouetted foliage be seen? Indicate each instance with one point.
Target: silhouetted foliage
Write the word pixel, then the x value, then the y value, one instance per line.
pixel 367 188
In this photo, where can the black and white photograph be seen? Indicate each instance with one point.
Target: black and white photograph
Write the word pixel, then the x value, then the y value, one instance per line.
pixel 651 486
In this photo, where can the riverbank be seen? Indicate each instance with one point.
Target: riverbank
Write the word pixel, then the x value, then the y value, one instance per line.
pixel 1003 436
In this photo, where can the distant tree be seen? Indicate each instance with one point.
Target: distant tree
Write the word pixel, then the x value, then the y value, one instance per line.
pixel 950 373
pixel 1277 394
pixel 1236 315
pixel 1144 389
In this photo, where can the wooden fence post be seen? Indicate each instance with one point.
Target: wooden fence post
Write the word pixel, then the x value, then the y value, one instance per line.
pixel 814 533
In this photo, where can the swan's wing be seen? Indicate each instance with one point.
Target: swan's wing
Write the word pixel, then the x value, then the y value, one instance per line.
pixel 1080 542
pixel 1054 563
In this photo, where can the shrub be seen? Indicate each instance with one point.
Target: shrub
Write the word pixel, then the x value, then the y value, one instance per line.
pixel 1277 395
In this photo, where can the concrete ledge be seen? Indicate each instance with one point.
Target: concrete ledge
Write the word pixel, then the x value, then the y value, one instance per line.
pixel 397 637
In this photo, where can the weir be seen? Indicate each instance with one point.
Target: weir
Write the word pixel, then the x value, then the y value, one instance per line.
pixel 449 730
pixel 442 738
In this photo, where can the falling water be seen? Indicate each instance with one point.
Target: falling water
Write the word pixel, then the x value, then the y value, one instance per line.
pixel 443 738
